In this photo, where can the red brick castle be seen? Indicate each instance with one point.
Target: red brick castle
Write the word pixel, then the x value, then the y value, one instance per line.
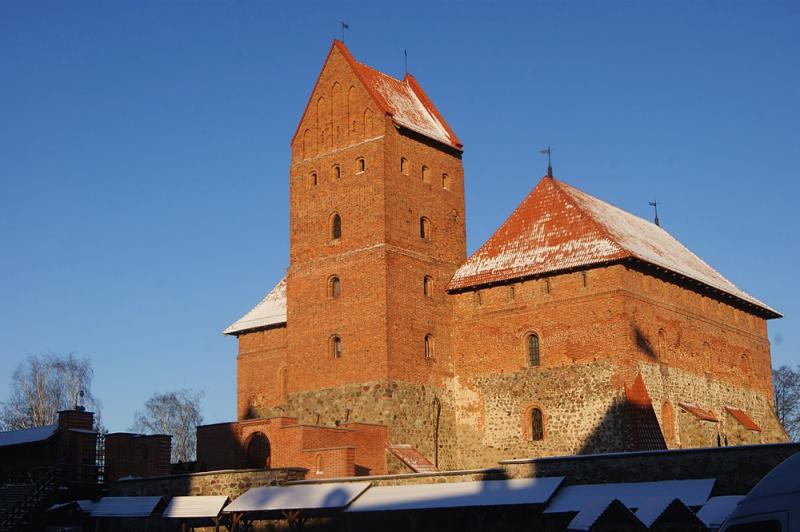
pixel 576 328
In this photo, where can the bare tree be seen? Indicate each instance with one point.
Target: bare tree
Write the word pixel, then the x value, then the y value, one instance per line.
pixel 174 413
pixel 786 387
pixel 45 384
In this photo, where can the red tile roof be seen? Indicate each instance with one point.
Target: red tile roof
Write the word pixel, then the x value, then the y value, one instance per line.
pixel 645 432
pixel 403 100
pixel 558 227
pixel 698 412
pixel 742 417
pixel 412 458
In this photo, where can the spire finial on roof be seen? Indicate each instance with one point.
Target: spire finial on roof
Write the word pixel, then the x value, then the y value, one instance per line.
pixel 345 26
pixel 547 151
pixel 654 204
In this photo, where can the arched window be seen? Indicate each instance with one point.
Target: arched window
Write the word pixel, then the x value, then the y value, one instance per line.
pixel 424 228
pixel 334 287
pixel 337 171
pixel 404 166
pixel 445 181
pixel 427 285
pixel 546 287
pixel 318 463
pixel 532 345
pixel 428 346
pixel 537 425
pixel 512 293
pixel 258 451
pixel 336 346
pixel 425 174
pixel 361 165
pixel 336 226
pixel 313 179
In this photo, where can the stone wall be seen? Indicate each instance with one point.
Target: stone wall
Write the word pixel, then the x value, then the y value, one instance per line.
pixel 737 469
pixel 409 410
pixel 582 412
pixel 231 483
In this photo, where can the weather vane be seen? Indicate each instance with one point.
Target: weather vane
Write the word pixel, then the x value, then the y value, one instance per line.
pixel 345 26
pixel 547 151
pixel 654 205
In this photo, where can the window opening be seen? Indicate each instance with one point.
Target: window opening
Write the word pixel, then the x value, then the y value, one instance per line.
pixel 425 174
pixel 427 285
pixel 361 165
pixel 336 347
pixel 336 227
pixel 428 346
pixel 424 228
pixel 537 425
pixel 445 181
pixel 533 349
pixel 334 287
pixel 404 166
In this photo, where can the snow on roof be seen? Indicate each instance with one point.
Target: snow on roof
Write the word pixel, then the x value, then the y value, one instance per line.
pixel 558 227
pixel 125 506
pixel 327 496
pixel 407 105
pixel 653 508
pixel 457 495
pixel 717 509
pixel 270 311
pixel 693 492
pixel 36 434
pixel 588 516
pixel 198 506
pixel 85 505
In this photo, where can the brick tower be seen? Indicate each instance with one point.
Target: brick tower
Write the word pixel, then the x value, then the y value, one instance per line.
pixel 377 231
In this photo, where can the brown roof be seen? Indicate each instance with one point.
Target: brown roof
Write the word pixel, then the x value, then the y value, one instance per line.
pixel 412 458
pixel 645 432
pixel 742 417
pixel 698 412
pixel 558 227
pixel 403 100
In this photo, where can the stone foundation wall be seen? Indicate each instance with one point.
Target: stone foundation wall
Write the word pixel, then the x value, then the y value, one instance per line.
pixel 231 483
pixel 737 469
pixel 409 410
pixel 582 412
pixel 669 384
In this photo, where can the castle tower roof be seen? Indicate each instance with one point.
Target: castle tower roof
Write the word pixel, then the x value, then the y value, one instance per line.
pixel 403 100
pixel 560 228
pixel 270 312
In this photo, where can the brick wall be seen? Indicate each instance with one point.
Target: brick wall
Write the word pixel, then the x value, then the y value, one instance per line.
pixel 137 455
pixel 261 368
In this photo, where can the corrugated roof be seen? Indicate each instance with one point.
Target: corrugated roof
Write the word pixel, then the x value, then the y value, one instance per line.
pixel 575 498
pixel 197 506
pixel 457 495
pixel 328 496
pixel 558 227
pixel 270 311
pixel 742 417
pixel 36 434
pixel 717 509
pixel 125 506
pixel 699 412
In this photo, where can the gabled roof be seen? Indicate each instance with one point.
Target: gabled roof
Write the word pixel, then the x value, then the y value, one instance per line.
pixel 36 434
pixel 270 311
pixel 558 227
pixel 645 432
pixel 403 100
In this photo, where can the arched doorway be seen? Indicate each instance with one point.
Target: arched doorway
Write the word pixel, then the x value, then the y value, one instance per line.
pixel 258 451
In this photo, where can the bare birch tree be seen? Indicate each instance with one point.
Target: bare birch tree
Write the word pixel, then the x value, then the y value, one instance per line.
pixel 174 413
pixel 786 387
pixel 45 384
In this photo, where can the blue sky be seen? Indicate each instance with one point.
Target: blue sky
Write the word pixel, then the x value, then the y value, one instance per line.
pixel 144 150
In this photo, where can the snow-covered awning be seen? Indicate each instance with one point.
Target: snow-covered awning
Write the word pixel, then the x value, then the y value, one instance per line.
pixel 632 494
pixel 668 506
pixel 327 496
pixel 36 434
pixel 596 509
pixel 717 509
pixel 457 495
pixel 185 507
pixel 125 506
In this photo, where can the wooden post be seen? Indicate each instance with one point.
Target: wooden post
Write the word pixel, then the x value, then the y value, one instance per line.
pixel 215 520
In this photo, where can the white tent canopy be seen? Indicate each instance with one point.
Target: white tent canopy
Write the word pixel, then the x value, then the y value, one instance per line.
pixel 195 507
pixel 457 495
pixel 328 496
pixel 125 506
pixel 631 494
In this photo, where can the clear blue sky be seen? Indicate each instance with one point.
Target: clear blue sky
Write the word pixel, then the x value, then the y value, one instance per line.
pixel 144 150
